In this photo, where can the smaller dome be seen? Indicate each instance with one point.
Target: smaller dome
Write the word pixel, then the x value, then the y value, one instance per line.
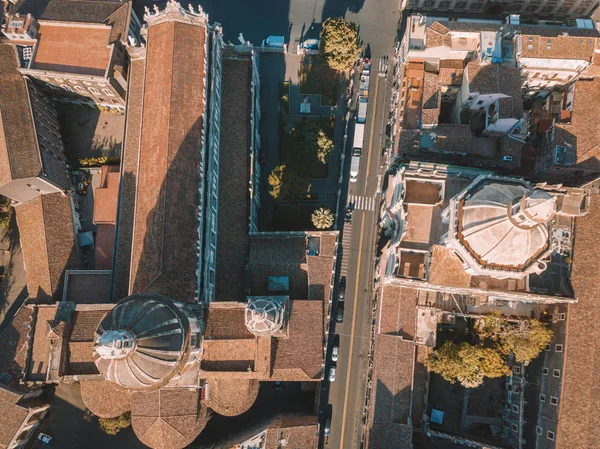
pixel 264 315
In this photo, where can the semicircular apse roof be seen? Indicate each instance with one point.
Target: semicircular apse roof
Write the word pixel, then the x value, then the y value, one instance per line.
pixel 142 342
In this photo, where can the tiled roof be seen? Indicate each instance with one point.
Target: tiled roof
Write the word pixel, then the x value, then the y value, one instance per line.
pixel 105 399
pixel 164 253
pixel 226 323
pixel 298 432
pixel 83 50
pixel 168 418
pixel 48 242
pixel 14 344
pixel 231 397
pixel 579 418
pixel 583 132
pixel 497 79
pixel 84 324
pixel 104 246
pixel 452 138
pixel 553 31
pixel 302 352
pixel 40 346
pixel 135 94
pixel 398 312
pixel 234 178
pixel 228 355
pixel 106 196
pixel 88 286
pixel 473 27
pixel 558 47
pixel 19 153
pixel 12 414
pixel 446 268
pixel 110 12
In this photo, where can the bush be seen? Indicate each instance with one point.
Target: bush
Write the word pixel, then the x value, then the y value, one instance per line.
pixel 288 184
pixel 339 43
pixel 309 138
pixel 112 426
pixel 5 212
pixel 98 161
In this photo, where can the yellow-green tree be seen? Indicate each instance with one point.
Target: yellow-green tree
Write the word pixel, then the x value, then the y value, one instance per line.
pixel 468 364
pixel 112 426
pixel 339 43
pixel 288 184
pixel 5 212
pixel 322 218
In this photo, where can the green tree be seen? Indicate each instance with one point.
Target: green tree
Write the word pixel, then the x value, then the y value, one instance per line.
pixel 112 426
pixel 288 184
pixel 5 212
pixel 322 218
pixel 524 338
pixel 339 43
pixel 468 364
pixel 308 138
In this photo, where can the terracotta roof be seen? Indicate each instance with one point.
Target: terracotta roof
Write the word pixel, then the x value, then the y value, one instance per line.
pixel 234 179
pixel 583 132
pixel 40 345
pixel 168 418
pixel 48 242
pixel 164 253
pixel 82 49
pixel 558 47
pixel 446 269
pixel 84 324
pixel 473 27
pixel 228 355
pixel 104 398
pixel 114 13
pixel 398 313
pixel 438 27
pixel 579 416
pixel 88 286
pixel 554 31
pixel 226 323
pixel 14 343
pixel 497 79
pixel 431 99
pixel 19 153
pixel 12 414
pixel 299 356
pixel 299 433
pixel 104 246
pixel 422 192
pixel 279 257
pixel 452 138
pixel 135 94
pixel 107 195
pixel 231 397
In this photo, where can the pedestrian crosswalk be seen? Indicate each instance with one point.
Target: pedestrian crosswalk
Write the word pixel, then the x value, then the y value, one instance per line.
pixel 362 202
pixel 382 65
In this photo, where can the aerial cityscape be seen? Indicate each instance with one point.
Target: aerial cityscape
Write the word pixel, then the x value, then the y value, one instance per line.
pixel 294 224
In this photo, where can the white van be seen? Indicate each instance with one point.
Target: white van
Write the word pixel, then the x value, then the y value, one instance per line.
pixel 362 110
pixel 354 168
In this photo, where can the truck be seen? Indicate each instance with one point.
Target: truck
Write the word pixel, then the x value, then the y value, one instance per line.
pixel 362 110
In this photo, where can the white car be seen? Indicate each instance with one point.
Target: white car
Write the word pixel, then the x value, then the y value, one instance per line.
pixel 332 374
pixel 334 353
pixel 45 438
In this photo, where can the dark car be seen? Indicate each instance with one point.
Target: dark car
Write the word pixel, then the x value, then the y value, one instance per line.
pixel 263 158
pixel 340 316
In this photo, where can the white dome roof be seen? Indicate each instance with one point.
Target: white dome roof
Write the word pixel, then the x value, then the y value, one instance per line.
pixel 264 315
pixel 503 224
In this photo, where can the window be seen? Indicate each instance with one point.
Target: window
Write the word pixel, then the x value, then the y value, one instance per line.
pixel 429 3
pixel 73 81
pixel 542 398
pixel 80 89
pixel 547 8
pixel 531 8
pixel 515 428
pixel 516 7
pixel 545 371
pixel 556 372
pixel 517 369
pixel 67 88
pixel 27 52
pixel 414 2
pixel 558 348
pixel 548 347
pixel 59 80
pixel 561 316
pixel 101 85
pixel 108 92
pixel 444 4
pixel 530 47
pixel 460 4
pixel 5 377
pixel 553 400
pixel 515 408
pixel 476 5
pixel 530 38
pixel 94 91
pixel 550 435
pixel 539 430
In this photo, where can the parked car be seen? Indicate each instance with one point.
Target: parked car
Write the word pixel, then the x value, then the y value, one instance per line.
pixel 332 374
pixel 327 428
pixel 334 353
pixel 340 316
pixel 277 386
pixel 45 438
pixel 263 158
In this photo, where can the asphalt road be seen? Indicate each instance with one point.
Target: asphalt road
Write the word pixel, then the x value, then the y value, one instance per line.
pixel 346 395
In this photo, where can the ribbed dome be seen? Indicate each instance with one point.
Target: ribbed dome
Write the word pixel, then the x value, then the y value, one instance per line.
pixel 264 315
pixel 142 341
pixel 497 225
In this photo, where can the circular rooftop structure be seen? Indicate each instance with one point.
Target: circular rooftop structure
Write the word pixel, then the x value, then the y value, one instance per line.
pixel 264 315
pixel 501 226
pixel 142 342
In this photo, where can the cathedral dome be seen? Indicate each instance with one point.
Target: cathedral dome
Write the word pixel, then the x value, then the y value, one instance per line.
pixel 264 315
pixel 142 342
pixel 501 227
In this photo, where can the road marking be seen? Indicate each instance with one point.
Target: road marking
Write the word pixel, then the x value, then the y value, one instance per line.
pixel 373 118
pixel 362 229
pixel 362 202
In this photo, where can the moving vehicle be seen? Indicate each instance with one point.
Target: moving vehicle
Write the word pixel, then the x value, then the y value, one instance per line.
pixel 362 110
pixel 332 374
pixel 335 353
pixel 359 135
pixel 354 168
pixel 340 315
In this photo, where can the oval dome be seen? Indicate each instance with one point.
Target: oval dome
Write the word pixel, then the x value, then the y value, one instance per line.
pixel 492 232
pixel 142 341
